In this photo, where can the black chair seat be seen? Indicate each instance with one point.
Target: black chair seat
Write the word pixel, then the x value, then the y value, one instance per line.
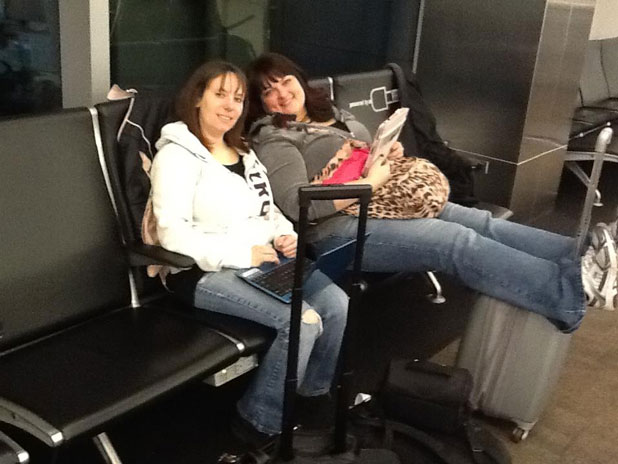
pixel 77 380
pixel 579 127
pixel 609 104
pixel 255 337
pixel 587 143
pixel 594 116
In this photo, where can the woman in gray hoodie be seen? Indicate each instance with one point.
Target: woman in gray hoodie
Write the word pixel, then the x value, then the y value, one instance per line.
pixel 295 130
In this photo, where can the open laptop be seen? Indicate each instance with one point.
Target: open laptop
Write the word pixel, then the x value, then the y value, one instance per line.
pixel 277 280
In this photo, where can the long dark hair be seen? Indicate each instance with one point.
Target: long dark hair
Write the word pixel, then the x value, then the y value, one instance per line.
pixel 271 67
pixel 192 92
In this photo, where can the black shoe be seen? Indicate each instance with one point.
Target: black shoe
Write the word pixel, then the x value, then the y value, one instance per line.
pixel 248 434
pixel 315 412
pixel 314 443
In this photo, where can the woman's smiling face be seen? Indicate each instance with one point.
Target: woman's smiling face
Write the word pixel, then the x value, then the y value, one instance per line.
pixel 284 95
pixel 221 105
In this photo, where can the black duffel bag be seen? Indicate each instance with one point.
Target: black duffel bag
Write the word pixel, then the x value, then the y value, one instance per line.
pixel 426 395
pixel 422 414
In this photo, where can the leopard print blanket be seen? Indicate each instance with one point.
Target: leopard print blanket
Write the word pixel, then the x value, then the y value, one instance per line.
pixel 415 189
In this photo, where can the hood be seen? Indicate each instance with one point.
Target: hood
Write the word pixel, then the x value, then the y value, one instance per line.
pixel 257 125
pixel 179 134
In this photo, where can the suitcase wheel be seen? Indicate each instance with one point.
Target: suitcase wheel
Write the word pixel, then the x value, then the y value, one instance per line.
pixel 519 434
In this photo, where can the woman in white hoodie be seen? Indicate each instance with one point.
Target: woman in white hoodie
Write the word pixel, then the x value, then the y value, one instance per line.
pixel 212 201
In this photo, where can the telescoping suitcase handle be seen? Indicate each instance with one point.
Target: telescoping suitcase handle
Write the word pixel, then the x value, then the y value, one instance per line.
pixel 309 193
pixel 306 195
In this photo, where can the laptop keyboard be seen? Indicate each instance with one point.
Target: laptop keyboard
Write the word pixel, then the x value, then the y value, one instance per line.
pixel 280 280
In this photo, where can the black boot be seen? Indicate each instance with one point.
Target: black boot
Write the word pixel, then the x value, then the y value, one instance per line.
pixel 248 434
pixel 315 412
pixel 315 433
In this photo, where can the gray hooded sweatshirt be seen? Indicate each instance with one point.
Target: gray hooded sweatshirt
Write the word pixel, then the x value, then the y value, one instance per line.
pixel 295 154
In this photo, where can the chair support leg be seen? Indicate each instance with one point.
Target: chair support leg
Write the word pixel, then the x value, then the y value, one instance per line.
pixel 597 198
pixel 105 447
pixel 584 178
pixel 436 297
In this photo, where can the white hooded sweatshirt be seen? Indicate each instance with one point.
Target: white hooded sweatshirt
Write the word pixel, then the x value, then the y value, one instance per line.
pixel 204 210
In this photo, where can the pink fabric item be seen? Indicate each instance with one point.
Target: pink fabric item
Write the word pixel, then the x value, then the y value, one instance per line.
pixel 350 169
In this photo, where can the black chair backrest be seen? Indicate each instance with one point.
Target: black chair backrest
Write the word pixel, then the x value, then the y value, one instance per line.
pixel 609 58
pixel 62 257
pixel 325 83
pixel 592 83
pixel 370 96
pixel 123 135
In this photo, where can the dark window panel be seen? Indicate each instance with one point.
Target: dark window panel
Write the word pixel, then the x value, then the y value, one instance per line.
pixel 29 57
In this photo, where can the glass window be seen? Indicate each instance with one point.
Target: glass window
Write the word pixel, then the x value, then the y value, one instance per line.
pixel 155 44
pixel 333 37
pixel 29 57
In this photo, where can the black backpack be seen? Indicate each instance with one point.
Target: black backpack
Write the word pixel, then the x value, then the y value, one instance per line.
pixel 420 138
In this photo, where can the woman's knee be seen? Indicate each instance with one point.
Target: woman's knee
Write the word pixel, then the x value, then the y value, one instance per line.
pixel 312 322
pixel 330 301
pixel 311 317
pixel 335 311
pixel 478 219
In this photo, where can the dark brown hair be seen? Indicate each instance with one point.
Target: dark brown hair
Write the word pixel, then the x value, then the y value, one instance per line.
pixel 270 67
pixel 192 92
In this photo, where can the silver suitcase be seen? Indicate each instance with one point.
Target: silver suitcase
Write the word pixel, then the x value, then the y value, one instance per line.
pixel 515 358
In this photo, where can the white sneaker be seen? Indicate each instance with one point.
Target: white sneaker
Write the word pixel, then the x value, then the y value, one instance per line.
pixel 604 245
pixel 612 228
pixel 599 283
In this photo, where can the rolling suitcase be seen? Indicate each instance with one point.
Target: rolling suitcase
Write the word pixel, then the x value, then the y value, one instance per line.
pixel 516 356
pixel 340 453
pixel 283 449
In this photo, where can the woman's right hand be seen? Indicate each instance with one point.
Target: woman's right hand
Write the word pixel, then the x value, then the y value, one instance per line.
pixel 263 254
pixel 379 172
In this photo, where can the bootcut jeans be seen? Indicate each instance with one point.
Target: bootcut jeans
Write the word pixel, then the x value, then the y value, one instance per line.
pixel 320 341
pixel 527 267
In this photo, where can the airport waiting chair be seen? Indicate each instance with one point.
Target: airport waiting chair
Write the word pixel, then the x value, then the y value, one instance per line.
pixel 75 352
pixel 597 108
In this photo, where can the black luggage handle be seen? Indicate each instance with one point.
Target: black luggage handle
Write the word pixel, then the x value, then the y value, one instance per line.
pixel 309 193
pixel 333 192
pixel 306 195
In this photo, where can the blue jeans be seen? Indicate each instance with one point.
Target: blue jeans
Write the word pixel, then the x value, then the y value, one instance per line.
pixel 262 403
pixel 524 266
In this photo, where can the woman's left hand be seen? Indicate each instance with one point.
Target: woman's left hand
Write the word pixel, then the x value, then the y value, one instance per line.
pixel 286 244
pixel 396 151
